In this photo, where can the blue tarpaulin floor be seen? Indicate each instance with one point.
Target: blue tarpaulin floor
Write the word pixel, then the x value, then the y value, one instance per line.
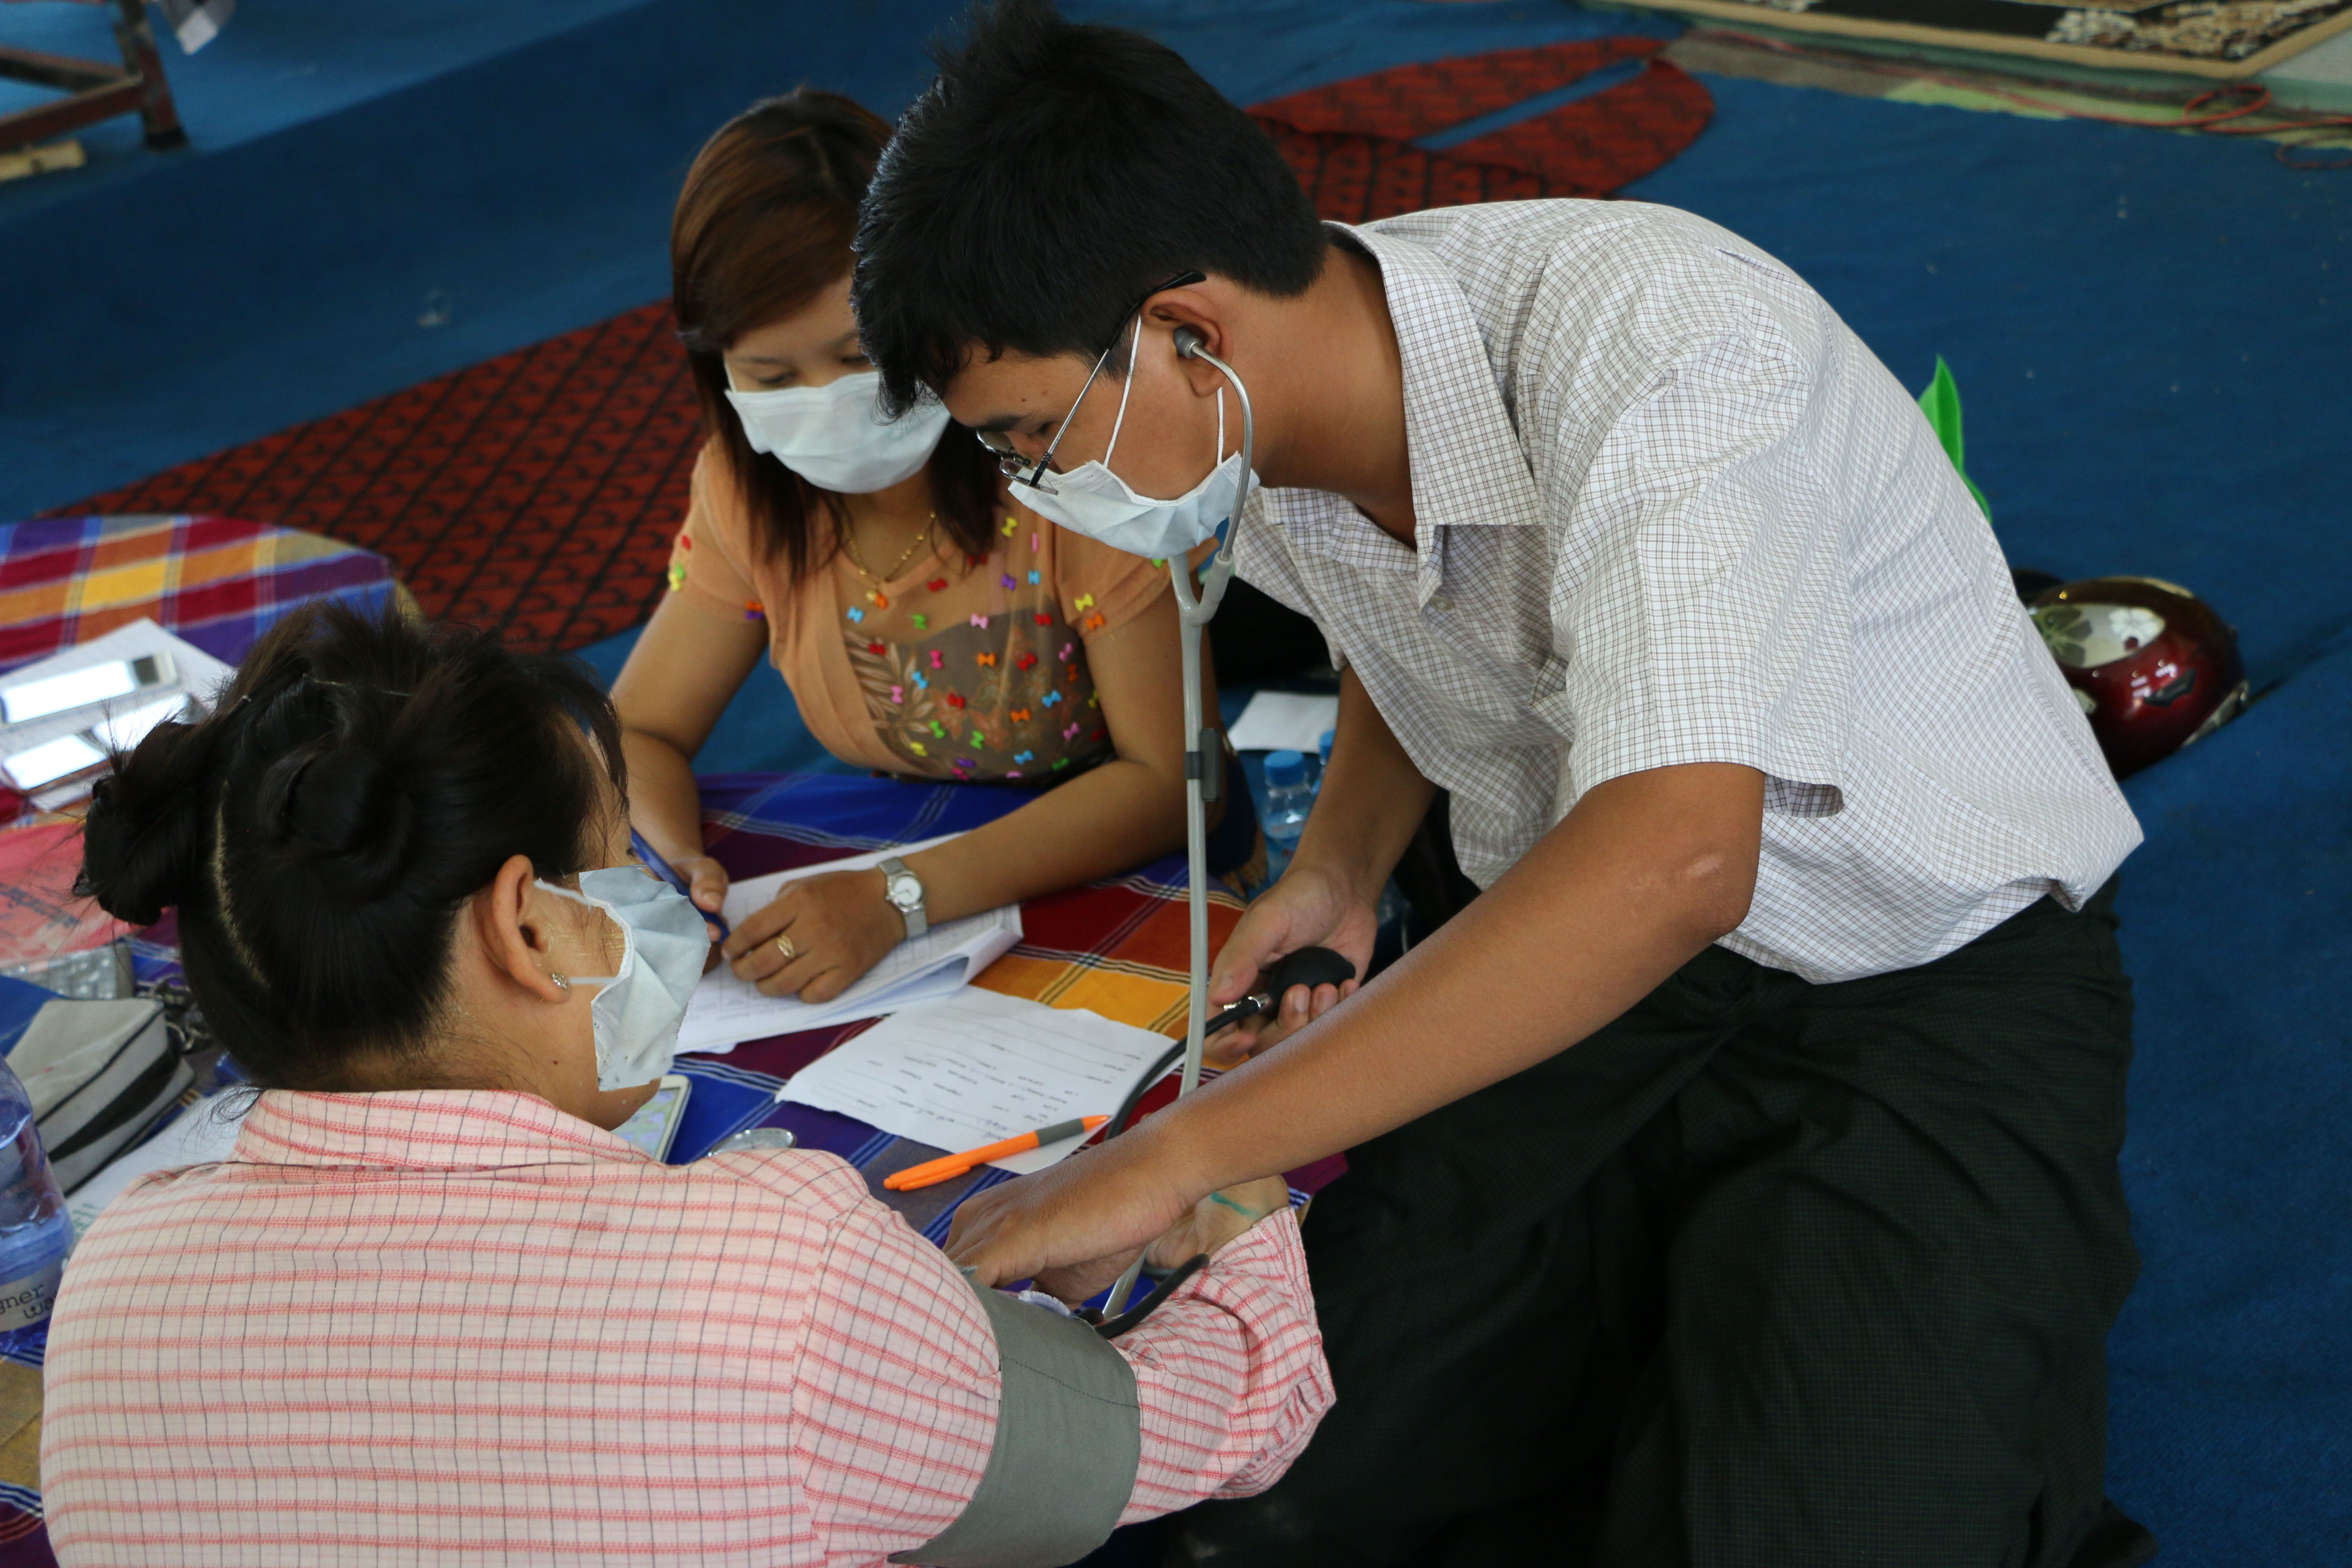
pixel 2149 330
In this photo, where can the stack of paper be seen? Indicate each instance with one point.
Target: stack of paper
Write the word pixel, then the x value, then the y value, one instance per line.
pixel 725 1011
pixel 980 1067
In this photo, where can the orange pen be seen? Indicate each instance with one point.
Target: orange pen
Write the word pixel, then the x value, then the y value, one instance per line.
pixel 948 1167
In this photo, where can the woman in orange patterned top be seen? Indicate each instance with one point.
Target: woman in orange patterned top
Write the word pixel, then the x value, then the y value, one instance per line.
pixel 928 626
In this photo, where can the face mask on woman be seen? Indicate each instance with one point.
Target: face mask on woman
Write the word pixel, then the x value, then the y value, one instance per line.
pixel 835 436
pixel 637 1012
pixel 1092 500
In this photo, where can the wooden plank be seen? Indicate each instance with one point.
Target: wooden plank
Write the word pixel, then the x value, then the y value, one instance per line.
pixel 29 160
pixel 44 120
pixel 63 72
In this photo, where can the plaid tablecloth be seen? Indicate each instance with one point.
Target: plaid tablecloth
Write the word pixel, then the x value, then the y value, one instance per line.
pixel 1117 947
pixel 214 581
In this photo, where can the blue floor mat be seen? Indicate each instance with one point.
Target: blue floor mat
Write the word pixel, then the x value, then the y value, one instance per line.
pixel 2231 1426
pixel 297 262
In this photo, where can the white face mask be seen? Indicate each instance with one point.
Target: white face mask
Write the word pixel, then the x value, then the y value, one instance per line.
pixel 637 1012
pixel 1092 500
pixel 835 436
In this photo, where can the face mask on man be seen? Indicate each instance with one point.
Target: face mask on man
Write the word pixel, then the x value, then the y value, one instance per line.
pixel 637 1012
pixel 1092 500
pixel 835 436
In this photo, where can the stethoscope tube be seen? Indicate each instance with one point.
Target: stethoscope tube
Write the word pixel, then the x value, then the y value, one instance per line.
pixel 1204 751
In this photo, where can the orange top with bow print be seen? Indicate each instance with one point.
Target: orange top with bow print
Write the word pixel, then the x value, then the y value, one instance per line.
pixel 958 667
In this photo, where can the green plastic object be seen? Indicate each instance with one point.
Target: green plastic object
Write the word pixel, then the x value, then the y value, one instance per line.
pixel 1941 403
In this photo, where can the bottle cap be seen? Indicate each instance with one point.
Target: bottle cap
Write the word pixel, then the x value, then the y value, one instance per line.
pixel 1323 745
pixel 1284 769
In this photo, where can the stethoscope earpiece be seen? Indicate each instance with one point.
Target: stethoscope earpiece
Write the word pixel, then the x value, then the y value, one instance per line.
pixel 1189 342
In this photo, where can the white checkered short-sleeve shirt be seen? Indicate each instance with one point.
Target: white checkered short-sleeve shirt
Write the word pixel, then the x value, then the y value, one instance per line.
pixel 1670 509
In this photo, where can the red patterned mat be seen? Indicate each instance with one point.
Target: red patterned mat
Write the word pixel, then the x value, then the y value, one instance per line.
pixel 536 491
pixel 1351 140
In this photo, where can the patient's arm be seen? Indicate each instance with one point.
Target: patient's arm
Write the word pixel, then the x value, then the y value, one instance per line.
pixel 896 1388
pixel 1230 1374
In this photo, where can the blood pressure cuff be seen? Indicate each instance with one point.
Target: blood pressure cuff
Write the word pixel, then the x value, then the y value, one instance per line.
pixel 1069 1437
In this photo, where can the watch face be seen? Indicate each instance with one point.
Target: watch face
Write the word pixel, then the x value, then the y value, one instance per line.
pixel 905 891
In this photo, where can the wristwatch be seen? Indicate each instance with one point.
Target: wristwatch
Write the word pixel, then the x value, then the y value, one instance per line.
pixel 905 891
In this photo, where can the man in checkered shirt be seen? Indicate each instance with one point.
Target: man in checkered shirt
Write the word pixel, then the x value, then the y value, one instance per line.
pixel 1734 1180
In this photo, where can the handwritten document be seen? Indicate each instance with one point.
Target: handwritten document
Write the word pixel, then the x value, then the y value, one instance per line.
pixel 978 1068
pixel 725 1011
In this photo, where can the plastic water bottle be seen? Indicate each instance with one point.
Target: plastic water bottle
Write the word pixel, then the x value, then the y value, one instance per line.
pixel 1323 757
pixel 1288 798
pixel 35 1232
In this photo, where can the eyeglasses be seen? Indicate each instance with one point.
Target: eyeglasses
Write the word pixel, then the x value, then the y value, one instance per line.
pixel 1009 460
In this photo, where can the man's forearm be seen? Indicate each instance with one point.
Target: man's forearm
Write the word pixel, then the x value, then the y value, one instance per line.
pixel 1372 798
pixel 1642 876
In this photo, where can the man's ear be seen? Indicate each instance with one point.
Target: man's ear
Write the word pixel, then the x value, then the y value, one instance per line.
pixel 1197 307
pixel 516 942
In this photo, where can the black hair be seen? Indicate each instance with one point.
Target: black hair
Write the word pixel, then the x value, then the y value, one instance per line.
pixel 764 223
pixel 321 831
pixel 1052 175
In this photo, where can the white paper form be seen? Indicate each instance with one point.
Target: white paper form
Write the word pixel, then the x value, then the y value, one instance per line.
pixel 1284 721
pixel 978 1068
pixel 725 1012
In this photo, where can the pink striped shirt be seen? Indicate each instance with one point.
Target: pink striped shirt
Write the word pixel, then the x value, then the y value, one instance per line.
pixel 432 1326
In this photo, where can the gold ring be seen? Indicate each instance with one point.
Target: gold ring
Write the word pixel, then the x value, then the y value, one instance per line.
pixel 784 945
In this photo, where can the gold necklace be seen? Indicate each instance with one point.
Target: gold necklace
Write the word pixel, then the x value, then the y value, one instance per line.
pixel 849 548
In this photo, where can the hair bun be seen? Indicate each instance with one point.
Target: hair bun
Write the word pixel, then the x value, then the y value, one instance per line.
pixel 142 842
pixel 344 809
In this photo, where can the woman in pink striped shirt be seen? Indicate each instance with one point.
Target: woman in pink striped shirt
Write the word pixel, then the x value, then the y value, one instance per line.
pixel 432 1308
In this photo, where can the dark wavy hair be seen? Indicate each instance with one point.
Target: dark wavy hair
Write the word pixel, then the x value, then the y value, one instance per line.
pixel 319 833
pixel 764 223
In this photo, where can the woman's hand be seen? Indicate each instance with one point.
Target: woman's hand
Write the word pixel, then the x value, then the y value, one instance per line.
pixel 822 933
pixel 706 884
pixel 1310 907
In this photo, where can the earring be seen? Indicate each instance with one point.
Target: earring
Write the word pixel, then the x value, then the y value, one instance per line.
pixel 560 983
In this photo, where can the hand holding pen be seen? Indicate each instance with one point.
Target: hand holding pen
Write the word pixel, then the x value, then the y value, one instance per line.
pixel 702 879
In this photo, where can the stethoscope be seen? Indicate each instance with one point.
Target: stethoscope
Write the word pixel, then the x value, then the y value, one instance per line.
pixel 1204 772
